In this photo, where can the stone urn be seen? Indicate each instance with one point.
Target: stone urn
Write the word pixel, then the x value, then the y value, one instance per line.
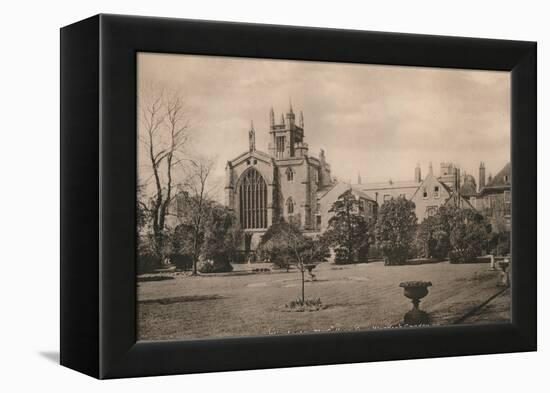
pixel 416 290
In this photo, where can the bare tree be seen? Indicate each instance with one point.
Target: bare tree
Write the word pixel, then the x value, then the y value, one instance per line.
pixel 164 133
pixel 196 186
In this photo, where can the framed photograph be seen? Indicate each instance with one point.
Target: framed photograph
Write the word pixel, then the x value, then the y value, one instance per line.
pixel 240 196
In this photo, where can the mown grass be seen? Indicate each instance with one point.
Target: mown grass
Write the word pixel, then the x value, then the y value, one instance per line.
pixel 354 297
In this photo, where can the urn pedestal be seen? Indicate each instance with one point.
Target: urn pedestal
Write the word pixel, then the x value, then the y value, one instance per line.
pixel 416 290
pixel 504 279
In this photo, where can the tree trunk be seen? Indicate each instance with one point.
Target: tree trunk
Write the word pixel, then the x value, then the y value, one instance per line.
pixel 303 288
pixel 195 256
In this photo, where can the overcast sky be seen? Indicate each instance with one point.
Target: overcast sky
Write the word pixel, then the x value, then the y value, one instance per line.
pixel 376 120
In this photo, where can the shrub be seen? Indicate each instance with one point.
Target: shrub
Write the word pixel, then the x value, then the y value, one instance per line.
pixel 282 262
pixel 261 270
pixel 499 243
pixel 503 248
pixel 305 305
pixel 146 263
pixel 421 261
pixel 342 257
pixel 154 278
pixel 182 261
pixel 375 252
pixel 210 266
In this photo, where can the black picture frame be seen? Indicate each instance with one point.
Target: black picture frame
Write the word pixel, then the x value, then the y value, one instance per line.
pixel 98 191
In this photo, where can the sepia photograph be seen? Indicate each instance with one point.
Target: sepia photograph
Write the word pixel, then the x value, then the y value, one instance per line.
pixel 280 197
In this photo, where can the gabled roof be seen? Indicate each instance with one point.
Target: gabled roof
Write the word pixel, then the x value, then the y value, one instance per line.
pixel 445 186
pixel 321 192
pixel 463 201
pixel 450 191
pixel 502 178
pixel 501 182
pixel 430 177
pixel 388 185
pixel 361 193
pixel 255 153
pixel 343 188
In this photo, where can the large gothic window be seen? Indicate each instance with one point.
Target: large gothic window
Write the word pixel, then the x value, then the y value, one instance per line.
pixel 253 200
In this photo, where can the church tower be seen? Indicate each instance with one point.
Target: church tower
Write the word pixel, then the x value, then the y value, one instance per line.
pixel 287 137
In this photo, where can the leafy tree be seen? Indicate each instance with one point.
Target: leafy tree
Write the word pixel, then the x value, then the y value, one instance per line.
pixel 182 246
pixel 395 229
pixel 199 204
pixel 223 235
pixel 210 233
pixel 432 238
pixel 348 229
pixel 142 211
pixel 147 258
pixel 499 238
pixel 468 234
pixel 284 241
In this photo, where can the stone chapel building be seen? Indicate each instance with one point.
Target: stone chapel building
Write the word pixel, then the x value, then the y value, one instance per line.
pixel 285 182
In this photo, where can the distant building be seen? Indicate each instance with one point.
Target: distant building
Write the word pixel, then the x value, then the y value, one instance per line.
pixel 495 198
pixel 428 194
pixel 328 195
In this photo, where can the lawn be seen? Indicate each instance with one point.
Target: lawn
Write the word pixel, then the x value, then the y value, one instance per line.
pixel 362 296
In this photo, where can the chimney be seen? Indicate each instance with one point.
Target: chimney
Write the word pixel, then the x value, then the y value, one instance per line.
pixel 457 179
pixel 417 173
pixel 481 175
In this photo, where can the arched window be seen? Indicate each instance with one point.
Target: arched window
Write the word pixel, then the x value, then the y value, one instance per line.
pixel 289 174
pixel 253 200
pixel 290 206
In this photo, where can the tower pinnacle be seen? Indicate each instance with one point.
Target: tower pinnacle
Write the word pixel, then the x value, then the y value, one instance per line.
pixel 271 117
pixel 251 137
